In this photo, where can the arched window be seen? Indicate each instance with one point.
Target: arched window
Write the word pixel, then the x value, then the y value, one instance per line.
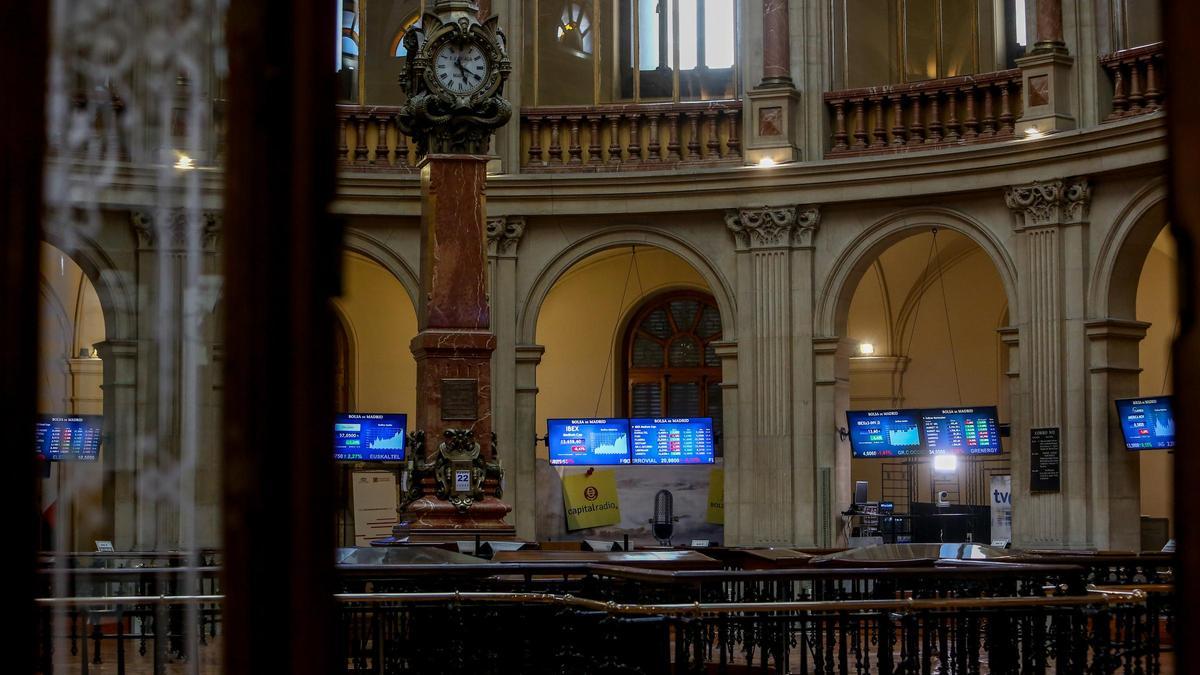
pixel 398 49
pixel 671 364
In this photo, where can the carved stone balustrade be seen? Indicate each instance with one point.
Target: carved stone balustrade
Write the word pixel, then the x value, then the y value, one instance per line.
pixel 933 114
pixel 368 139
pixel 1138 78
pixel 633 137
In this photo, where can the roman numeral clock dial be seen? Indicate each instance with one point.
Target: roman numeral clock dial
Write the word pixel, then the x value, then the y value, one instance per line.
pixel 461 68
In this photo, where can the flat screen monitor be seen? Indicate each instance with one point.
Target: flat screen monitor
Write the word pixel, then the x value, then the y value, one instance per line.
pixel 369 437
pixel 860 491
pixel 885 433
pixel 1147 423
pixel 588 442
pixel 69 437
pixel 672 440
pixel 961 431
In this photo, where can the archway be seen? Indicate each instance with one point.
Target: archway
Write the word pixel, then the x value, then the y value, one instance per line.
pixel 916 298
pixel 582 322
pixel 70 374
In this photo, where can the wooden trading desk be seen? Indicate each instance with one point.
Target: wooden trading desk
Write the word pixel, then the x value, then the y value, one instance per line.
pixel 655 560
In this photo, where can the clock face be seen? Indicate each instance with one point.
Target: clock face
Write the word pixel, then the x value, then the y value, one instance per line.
pixel 460 68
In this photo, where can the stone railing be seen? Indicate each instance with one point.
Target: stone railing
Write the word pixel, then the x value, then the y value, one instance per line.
pixel 1137 77
pixel 934 114
pixel 368 139
pixel 633 137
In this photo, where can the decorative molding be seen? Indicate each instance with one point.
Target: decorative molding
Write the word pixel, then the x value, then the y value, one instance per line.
pixel 504 234
pixel 769 227
pixel 176 230
pixel 1049 203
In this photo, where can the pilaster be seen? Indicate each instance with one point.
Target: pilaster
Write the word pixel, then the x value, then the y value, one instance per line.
pixel 1050 222
pixel 120 374
pixel 503 237
pixel 773 469
pixel 523 469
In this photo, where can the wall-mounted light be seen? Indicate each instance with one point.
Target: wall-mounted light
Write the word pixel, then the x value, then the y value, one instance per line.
pixel 766 163
pixel 866 349
pixel 184 163
pixel 1033 132
pixel 945 463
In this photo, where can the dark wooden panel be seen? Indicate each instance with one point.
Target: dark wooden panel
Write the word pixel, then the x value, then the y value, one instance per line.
pixel 281 253
pixel 22 145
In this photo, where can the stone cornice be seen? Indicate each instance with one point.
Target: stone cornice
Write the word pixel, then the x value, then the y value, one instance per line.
pixel 773 227
pixel 1049 203
pixel 1138 143
pixel 504 235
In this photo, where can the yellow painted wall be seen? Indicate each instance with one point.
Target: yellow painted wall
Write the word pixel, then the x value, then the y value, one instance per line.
pixel 381 321
pixel 976 304
pixel 1157 303
pixel 581 321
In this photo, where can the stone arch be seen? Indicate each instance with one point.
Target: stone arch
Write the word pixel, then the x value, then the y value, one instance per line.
pixel 370 247
pixel 833 304
pixel 718 285
pixel 1124 251
pixel 117 295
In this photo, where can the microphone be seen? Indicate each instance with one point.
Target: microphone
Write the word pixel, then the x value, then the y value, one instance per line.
pixel 664 517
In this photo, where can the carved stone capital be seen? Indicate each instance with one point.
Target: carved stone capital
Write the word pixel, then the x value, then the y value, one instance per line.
pixel 1049 203
pixel 504 234
pixel 173 234
pixel 770 227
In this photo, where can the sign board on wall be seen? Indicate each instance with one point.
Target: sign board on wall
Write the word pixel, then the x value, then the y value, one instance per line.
pixel 1044 460
pixel 715 514
pixel 1001 509
pixel 374 494
pixel 590 499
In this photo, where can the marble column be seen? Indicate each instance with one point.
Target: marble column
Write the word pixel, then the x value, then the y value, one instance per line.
pixel 1050 221
pixel 1049 26
pixel 770 488
pixel 776 47
pixel 772 109
pixel 503 237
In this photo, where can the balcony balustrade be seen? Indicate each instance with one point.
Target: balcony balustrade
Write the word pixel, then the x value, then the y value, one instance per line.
pixel 1137 79
pixel 641 137
pixel 934 114
pixel 369 139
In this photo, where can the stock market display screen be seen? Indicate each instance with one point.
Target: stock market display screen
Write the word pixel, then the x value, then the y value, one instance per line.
pixel 1147 423
pixel 588 442
pixel 69 437
pixel 961 431
pixel 369 437
pixel 885 433
pixel 673 440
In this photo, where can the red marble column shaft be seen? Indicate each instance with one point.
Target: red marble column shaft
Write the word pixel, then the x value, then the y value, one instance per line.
pixel 776 51
pixel 454 342
pixel 1049 22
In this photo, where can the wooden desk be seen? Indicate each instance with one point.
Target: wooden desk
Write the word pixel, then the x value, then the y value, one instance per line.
pixel 656 560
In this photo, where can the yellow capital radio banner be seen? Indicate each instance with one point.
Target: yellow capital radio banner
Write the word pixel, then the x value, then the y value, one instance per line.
pixel 591 501
pixel 716 498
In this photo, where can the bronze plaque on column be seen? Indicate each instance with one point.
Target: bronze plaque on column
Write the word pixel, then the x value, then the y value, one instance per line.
pixel 460 398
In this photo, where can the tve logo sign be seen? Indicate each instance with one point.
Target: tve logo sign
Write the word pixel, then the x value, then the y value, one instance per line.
pixel 1001 509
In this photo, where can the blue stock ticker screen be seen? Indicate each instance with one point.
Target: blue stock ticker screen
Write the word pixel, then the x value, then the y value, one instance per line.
pixel 369 437
pixel 68 437
pixel 1147 423
pixel 588 442
pixel 672 440
pixel 922 432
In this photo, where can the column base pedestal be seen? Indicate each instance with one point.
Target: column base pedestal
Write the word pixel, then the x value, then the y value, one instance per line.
pixel 430 519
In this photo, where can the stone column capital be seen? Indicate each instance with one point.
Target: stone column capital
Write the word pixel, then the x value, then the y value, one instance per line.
pixel 1049 203
pixel 504 235
pixel 172 235
pixel 773 226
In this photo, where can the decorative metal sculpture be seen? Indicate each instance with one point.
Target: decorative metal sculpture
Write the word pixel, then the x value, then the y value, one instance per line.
pixel 457 469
